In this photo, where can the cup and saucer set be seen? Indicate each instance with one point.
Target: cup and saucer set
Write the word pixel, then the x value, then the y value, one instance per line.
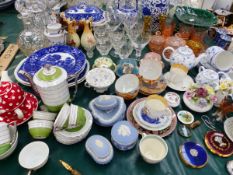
pixel 152 115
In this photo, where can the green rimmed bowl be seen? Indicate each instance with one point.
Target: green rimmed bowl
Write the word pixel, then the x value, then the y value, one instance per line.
pixel 40 129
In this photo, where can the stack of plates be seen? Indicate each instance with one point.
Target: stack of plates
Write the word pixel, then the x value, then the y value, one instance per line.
pixel 71 59
pixel 6 3
pixel 163 127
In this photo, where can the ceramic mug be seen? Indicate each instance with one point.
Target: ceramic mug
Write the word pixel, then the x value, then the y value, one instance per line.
pixel 177 75
pixel 150 153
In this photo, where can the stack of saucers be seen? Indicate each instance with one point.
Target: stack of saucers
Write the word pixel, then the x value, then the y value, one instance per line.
pixel 152 115
pixel 72 124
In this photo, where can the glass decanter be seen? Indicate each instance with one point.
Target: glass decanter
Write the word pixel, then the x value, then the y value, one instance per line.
pixel 31 38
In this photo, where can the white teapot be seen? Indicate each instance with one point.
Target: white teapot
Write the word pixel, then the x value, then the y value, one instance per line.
pixel 210 77
pixel 182 56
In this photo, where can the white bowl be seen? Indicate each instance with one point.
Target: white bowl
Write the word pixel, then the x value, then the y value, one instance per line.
pixel 153 148
pixel 127 86
pixel 42 115
pixel 100 79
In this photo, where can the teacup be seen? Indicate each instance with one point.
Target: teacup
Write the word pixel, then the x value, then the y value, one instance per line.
pixel 177 74
pixel 153 148
pixel 4 147
pixel 127 86
pixel 104 62
pixel 155 107
pixel 54 28
pixel 4 133
pixel 150 70
pixel 40 129
pixel 127 66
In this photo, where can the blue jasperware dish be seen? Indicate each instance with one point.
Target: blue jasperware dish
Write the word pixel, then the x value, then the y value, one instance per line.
pixel 83 11
pixel 124 136
pixel 71 59
pixel 108 117
pixel 193 154
pixel 105 102
pixel 100 149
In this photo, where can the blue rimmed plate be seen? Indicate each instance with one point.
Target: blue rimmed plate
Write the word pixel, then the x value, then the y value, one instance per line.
pixel 20 78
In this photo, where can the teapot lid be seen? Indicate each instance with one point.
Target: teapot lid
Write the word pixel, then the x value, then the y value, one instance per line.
pixel 50 74
pixel 185 50
pixel 5 87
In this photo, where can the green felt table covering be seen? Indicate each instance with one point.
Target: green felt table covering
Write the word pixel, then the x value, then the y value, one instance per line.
pixel 123 163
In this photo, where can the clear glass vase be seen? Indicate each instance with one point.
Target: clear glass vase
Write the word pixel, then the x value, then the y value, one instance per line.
pixel 31 38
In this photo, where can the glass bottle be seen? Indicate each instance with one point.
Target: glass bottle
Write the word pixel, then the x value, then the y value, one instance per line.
pixel 30 39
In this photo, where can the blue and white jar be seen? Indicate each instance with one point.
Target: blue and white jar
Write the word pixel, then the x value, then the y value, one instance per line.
pixel 124 136
pixel 155 8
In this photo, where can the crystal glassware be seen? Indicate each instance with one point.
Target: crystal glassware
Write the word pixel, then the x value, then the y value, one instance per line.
pixel 126 50
pixel 104 48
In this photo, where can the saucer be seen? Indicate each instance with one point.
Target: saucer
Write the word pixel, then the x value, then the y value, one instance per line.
pixel 30 104
pixel 160 124
pixel 196 108
pixel 185 117
pixel 188 81
pixel 147 89
pixel 141 130
pixel 173 99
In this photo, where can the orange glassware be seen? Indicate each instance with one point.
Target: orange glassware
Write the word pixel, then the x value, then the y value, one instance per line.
pixel 196 46
pixel 168 28
pixel 198 35
pixel 157 42
pixel 185 31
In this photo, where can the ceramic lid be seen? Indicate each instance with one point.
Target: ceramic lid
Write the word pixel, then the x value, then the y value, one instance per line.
pixel 124 133
pixel 50 76
pixel 98 146
pixel 193 154
pixel 105 102
pixel 218 143
pixel 84 11
pixel 5 87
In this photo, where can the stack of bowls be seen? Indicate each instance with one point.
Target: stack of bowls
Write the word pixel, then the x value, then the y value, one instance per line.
pixel 72 124
pixel 41 125
pixel 8 139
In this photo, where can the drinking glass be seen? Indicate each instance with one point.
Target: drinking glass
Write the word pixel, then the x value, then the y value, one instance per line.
pixel 104 48
pixel 101 38
pixel 139 42
pixel 126 50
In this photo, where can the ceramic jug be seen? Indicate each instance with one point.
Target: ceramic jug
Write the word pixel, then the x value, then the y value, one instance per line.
pixel 51 84
pixel 182 56
pixel 210 77
pixel 73 38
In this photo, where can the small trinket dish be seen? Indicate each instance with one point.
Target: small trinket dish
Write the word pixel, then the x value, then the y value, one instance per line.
pixel 111 113
pixel 173 99
pixel 185 117
pixel 100 149
pixel 184 131
pixel 193 154
pixel 218 143
pixel 124 136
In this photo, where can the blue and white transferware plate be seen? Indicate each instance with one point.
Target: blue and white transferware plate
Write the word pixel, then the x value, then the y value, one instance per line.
pixel 109 117
pixel 161 123
pixel 71 81
pixel 124 135
pixel 83 11
pixel 193 154
pixel 100 149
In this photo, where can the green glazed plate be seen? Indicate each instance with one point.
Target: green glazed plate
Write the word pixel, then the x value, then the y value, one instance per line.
pixel 196 17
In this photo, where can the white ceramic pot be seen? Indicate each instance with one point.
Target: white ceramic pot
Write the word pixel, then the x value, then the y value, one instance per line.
pixel 153 148
pixel 210 77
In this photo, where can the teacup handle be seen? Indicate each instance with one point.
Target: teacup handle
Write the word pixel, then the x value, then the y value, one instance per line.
pixel 167 49
pixel 201 68
pixel 19 113
pixel 87 85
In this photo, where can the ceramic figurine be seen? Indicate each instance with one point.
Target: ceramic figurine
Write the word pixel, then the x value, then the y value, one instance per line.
pixel 88 40
pixel 107 109
pixel 51 84
pixel 73 38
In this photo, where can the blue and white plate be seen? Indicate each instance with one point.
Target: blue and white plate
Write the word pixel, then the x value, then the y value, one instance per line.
pixel 20 78
pixel 83 11
pixel 159 124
